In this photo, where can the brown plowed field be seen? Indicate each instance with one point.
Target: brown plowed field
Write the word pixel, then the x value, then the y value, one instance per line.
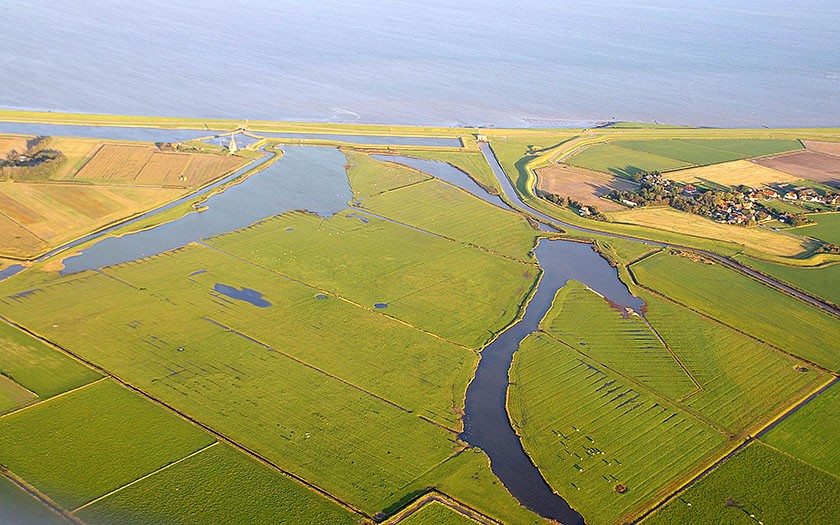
pixel 582 185
pixel 829 148
pixel 116 161
pixel 806 165
pixel 204 168
pixel 164 168
pixel 17 241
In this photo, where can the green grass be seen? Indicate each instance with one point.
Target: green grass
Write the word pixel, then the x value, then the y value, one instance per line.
pixel 19 508
pixel 610 158
pixel 820 282
pixel 758 481
pixel 370 177
pixel 589 429
pixel 745 304
pixel 439 208
pixel 37 367
pixel 701 152
pixel 826 229
pixel 457 292
pixel 92 441
pixel 743 383
pixel 218 485
pixel 436 513
pixel 810 433
pixel 470 162
pixel 585 322
pixel 13 395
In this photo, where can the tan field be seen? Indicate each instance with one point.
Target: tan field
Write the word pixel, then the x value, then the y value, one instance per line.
pixel 12 142
pixel 116 161
pixel 164 168
pixel 76 151
pixel 204 168
pixel 57 213
pixel 829 148
pixel 806 165
pixel 582 185
pixel 732 174
pixel 669 219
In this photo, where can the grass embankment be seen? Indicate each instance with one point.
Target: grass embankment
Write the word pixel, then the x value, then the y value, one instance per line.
pixel 94 440
pixel 757 485
pixel 440 208
pixel 746 305
pixel 218 485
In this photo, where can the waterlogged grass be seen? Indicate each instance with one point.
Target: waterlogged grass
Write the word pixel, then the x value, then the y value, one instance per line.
pixel 436 513
pixel 820 282
pixel 19 508
pixel 742 383
pixel 455 291
pixel 439 208
pixel 746 305
pixel 614 159
pixel 37 367
pixel 370 177
pixel 758 485
pixel 218 485
pixel 810 433
pixel 589 429
pixel 583 320
pixel 92 441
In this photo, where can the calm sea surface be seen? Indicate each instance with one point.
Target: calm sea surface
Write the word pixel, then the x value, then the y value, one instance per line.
pixel 508 63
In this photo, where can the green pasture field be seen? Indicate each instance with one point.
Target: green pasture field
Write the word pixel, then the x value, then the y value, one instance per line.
pixel 588 429
pixel 436 513
pixel 19 508
pixel 439 208
pixel 369 177
pixel 217 485
pixel 614 159
pixel 37 367
pixel 513 155
pixel 827 227
pixel 757 485
pixel 746 305
pixel 408 367
pixel 85 444
pixel 820 282
pixel 460 293
pixel 585 322
pixel 472 163
pixel 351 442
pixel 743 383
pixel 810 433
pixel 13 395
pixel 701 152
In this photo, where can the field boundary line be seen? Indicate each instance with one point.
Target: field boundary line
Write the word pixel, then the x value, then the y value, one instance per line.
pixel 141 478
pixel 448 501
pixel 189 419
pixel 304 363
pixel 697 385
pixel 42 401
pixel 337 296
pixel 45 500
pixel 741 446
pixel 797 458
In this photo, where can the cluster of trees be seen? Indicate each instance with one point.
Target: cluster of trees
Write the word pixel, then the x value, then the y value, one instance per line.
pixel 592 211
pixel 38 161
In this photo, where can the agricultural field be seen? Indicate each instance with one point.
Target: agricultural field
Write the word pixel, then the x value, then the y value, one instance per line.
pixel 455 291
pixel 754 239
pixel 810 433
pixel 744 304
pixel 623 162
pixel 83 445
pixel 829 148
pixel 217 485
pixel 57 213
pixel 116 162
pixel 820 281
pixel 369 177
pixel 436 513
pixel 470 162
pixel 439 208
pixel 731 175
pixel 585 186
pixel 38 368
pixel 12 142
pixel 826 229
pixel 757 485
pixel 590 430
pixel 810 165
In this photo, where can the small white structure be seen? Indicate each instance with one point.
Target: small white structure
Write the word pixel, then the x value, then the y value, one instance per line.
pixel 232 146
